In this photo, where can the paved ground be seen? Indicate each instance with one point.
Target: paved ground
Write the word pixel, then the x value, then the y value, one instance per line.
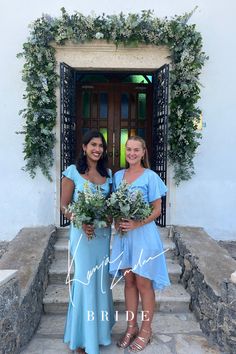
pixel 173 334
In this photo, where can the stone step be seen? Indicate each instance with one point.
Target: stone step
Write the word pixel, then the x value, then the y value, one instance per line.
pixel 63 232
pixel 61 248
pixel 172 299
pixel 52 326
pixel 59 267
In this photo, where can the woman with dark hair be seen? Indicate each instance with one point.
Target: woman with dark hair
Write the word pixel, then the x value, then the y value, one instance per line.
pixel 90 314
pixel 138 255
pixel 101 163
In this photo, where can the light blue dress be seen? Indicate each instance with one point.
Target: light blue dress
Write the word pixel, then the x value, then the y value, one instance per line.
pixel 90 315
pixel 141 249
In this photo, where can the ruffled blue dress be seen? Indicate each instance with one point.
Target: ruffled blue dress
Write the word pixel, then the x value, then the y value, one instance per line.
pixel 141 249
pixel 90 315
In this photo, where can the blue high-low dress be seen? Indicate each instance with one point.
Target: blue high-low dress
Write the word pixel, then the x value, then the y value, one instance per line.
pixel 90 315
pixel 141 249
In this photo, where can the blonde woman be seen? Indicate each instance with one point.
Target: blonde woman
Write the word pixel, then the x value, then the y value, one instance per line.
pixel 138 255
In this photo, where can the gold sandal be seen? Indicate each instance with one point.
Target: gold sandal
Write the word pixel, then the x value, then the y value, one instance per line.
pixel 128 337
pixel 136 347
pixel 79 351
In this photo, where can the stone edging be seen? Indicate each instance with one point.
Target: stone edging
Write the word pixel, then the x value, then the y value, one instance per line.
pixel 206 271
pixel 21 297
pixel 3 247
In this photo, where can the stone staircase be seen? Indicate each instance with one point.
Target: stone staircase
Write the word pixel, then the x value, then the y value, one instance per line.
pixel 174 327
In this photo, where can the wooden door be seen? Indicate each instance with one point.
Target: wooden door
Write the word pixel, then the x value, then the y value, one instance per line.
pixel 118 110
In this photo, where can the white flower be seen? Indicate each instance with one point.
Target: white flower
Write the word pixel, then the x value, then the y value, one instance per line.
pixel 99 35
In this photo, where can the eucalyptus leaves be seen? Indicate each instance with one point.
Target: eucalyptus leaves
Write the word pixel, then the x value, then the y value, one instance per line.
pixel 89 207
pixel 187 59
pixel 126 203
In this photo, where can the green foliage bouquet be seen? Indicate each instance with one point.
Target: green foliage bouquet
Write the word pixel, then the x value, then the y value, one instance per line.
pixel 89 208
pixel 128 204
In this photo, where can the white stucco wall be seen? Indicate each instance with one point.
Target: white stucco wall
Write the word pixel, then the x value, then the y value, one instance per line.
pixel 209 199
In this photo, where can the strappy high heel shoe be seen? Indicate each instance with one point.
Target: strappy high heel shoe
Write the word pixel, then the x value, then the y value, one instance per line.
pixel 128 337
pixel 79 351
pixel 136 347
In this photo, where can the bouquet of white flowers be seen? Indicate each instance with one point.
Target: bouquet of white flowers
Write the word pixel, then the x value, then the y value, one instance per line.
pixel 128 204
pixel 89 208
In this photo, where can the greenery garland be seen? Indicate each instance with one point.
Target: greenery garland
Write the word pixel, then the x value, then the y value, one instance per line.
pixel 187 59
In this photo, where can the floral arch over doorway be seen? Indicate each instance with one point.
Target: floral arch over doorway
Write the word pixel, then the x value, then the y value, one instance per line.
pixel 187 60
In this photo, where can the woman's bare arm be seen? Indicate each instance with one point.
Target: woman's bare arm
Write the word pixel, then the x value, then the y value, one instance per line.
pixel 67 190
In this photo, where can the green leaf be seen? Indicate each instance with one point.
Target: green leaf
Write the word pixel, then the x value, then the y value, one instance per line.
pixel 187 58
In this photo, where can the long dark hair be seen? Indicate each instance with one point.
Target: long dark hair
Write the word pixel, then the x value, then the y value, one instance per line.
pixel 82 164
pixel 145 161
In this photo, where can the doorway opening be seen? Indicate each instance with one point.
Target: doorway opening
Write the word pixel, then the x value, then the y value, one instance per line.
pixel 119 104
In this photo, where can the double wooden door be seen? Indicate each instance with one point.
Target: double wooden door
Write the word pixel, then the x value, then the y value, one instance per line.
pixel 118 111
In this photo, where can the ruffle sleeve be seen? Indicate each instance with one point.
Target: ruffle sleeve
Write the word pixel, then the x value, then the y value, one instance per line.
pixel 156 187
pixel 117 180
pixel 70 172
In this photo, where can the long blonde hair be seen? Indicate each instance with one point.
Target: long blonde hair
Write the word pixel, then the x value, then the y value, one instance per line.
pixel 145 161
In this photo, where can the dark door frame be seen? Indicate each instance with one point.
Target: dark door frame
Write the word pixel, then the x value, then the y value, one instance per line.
pixel 159 122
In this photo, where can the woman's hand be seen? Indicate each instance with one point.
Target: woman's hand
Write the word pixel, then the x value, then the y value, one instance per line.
pixel 126 225
pixel 89 230
pixel 117 225
pixel 68 215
